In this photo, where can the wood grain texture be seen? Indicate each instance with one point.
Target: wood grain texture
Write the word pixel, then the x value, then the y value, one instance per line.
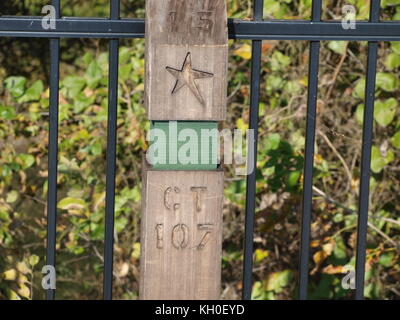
pixel 174 30
pixel 181 235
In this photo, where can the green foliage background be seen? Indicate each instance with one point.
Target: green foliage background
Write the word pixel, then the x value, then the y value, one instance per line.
pixel 24 102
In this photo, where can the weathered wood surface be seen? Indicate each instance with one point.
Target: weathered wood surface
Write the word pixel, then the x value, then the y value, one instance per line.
pixel 181 235
pixel 186 59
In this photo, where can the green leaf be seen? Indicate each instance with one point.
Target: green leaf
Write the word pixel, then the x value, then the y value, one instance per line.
pixel 360 113
pixel 4 216
pixel 297 140
pixel 386 259
pixel 274 9
pixel 392 61
pixel 293 87
pixel 33 260
pixel 82 102
pixel 258 292
pixel 293 179
pixel 378 162
pixel 125 71
pixel 385 111
pixel 26 160
pixel 16 86
pixel 7 113
pixel 87 58
pixel 96 148
pixel 359 89
pixel 273 141
pixel 386 3
pixel 121 223
pixel 338 46
pixel 395 46
pixel 94 74
pixel 74 85
pixel 274 82
pixel 339 251
pixel 33 93
pixel 386 81
pixel 279 61
pixel 396 140
pixel 12 196
pixel 125 53
pixel 390 156
pixel 278 280
pixel 71 203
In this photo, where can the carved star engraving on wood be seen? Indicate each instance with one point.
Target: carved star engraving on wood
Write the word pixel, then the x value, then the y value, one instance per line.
pixel 186 76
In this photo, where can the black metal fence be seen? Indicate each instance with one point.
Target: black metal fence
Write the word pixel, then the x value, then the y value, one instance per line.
pixel 256 30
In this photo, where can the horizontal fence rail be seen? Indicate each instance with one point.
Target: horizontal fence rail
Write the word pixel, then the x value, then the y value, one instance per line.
pixel 256 30
pixel 68 27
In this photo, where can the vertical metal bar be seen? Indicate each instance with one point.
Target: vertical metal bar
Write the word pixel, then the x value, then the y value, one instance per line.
pixel 309 156
pixel 111 157
pixel 53 153
pixel 366 156
pixel 252 158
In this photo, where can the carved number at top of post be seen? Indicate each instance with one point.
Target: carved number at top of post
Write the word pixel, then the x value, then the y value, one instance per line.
pixel 201 20
pixel 204 20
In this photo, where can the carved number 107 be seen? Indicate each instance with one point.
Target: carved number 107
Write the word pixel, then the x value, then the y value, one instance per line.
pixel 180 236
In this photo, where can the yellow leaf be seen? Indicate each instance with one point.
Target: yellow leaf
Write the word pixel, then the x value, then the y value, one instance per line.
pixel 318 158
pixel 10 274
pixel 33 260
pixel 304 81
pixel 327 248
pixel 277 280
pixel 136 251
pixel 261 254
pixel 98 200
pixel 140 87
pixel 141 71
pixel 241 125
pixel 333 269
pixel 319 257
pixel 22 279
pixel 315 243
pixel 24 291
pixel 23 268
pixel 70 203
pixel 12 295
pixel 123 272
pixel 47 93
pixel 244 52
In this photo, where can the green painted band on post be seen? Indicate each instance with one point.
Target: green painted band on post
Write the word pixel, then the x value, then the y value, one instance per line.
pixel 184 145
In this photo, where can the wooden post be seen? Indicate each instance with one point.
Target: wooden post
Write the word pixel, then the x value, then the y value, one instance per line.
pixel 186 79
pixel 186 59
pixel 181 235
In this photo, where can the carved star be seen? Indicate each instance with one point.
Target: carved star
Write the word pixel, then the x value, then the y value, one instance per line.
pixel 187 76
